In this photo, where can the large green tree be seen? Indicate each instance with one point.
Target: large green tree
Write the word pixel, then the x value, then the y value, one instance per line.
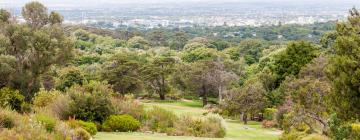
pixel 344 68
pixel 293 58
pixel 123 72
pixel 156 74
pixel 35 47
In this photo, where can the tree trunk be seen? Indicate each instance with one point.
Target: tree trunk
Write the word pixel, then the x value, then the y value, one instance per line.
pixel 220 94
pixel 245 115
pixel 204 96
pixel 162 96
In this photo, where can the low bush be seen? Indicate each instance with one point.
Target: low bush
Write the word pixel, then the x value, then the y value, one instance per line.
pixel 270 113
pixel 160 119
pixel 82 134
pixel 209 126
pixel 355 131
pixel 128 106
pixel 65 132
pixel 269 124
pixel 11 98
pixel 121 123
pixel 27 130
pixel 88 126
pixel 7 118
pixel 48 122
pixel 315 137
pixel 60 107
pixel 338 130
pixel 293 135
pixel 90 102
pixel 43 98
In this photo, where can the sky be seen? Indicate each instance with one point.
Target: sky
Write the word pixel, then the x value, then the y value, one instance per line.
pixel 117 2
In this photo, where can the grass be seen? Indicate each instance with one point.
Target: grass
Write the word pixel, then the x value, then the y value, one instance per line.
pixel 235 129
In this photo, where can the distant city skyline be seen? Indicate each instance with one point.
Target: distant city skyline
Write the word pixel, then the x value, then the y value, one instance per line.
pixel 94 3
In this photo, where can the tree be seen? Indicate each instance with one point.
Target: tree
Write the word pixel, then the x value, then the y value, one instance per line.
pixel 69 77
pixel 295 56
pixel 55 18
pixel 35 14
pixel 199 53
pixel 138 42
pixel 179 40
pixel 249 99
pixel 251 49
pixel 200 78
pixel 123 72
pixel 156 73
pixel 344 68
pixel 157 37
pixel 308 94
pixel 35 47
pixel 4 15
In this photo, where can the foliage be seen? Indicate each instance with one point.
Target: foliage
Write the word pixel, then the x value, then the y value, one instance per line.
pixel 160 119
pixel 8 118
pixel 91 102
pixel 157 72
pixel 48 122
pixel 61 107
pixel 138 43
pixel 338 130
pixel 82 134
pixel 269 113
pixel 249 99
pixel 43 98
pixel 209 126
pixel 4 15
pixel 68 77
pixel 315 137
pixel 121 123
pixel 123 72
pixel 11 98
pixel 88 126
pixel 129 106
pixel 295 56
pixel 343 70
pixel 48 43
pixel 355 131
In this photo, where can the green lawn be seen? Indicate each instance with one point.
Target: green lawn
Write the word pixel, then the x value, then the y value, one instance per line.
pixel 235 129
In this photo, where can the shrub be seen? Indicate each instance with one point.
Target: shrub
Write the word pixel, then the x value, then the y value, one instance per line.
pixel 68 77
pixel 160 119
pixel 82 134
pixel 88 126
pixel 121 123
pixel 355 131
pixel 209 126
pixel 61 107
pixel 269 113
pixel 7 118
pixel 44 98
pixel 293 135
pixel 338 130
pixel 11 98
pixel 315 137
pixel 128 106
pixel 91 102
pixel 27 130
pixel 48 122
pixel 269 124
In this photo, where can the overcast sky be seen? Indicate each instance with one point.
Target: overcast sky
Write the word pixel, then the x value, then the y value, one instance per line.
pixel 107 2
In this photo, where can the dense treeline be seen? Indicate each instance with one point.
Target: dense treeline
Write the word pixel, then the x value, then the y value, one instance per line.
pixel 86 79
